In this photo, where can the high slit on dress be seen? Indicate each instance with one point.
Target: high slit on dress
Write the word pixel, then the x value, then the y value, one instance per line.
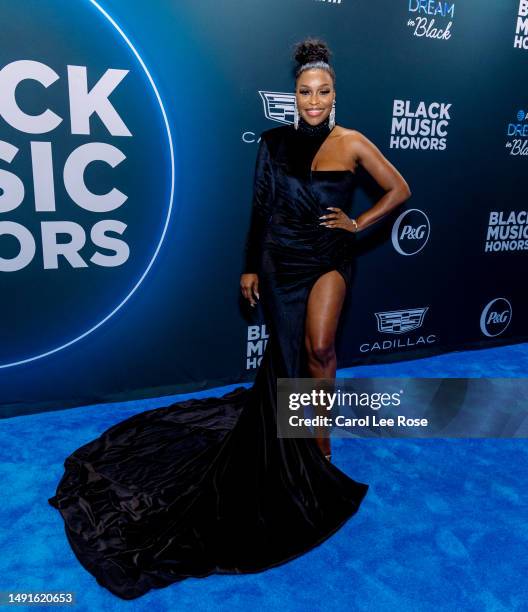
pixel 205 485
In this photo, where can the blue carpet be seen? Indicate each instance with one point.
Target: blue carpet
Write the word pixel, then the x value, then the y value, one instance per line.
pixel 443 526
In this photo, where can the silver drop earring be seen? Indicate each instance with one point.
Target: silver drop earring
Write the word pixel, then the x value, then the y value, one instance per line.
pixel 295 115
pixel 331 120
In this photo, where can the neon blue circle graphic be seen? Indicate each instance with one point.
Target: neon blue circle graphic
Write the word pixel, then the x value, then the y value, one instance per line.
pixel 168 213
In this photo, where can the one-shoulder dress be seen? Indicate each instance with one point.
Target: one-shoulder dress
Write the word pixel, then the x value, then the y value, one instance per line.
pixel 206 485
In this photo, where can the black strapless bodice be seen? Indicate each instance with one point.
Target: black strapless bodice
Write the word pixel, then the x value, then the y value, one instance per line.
pixel 289 198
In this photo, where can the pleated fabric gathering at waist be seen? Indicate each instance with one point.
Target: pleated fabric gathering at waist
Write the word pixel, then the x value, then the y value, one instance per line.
pixel 308 240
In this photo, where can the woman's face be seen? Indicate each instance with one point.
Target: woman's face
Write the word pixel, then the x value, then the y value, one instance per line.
pixel 315 94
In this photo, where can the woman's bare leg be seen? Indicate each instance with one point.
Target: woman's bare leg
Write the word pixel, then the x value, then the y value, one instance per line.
pixel 322 317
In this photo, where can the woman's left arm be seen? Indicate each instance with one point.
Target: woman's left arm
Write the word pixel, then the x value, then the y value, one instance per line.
pixel 384 173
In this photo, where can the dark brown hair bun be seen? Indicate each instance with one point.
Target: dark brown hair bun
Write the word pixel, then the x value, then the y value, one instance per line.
pixel 312 50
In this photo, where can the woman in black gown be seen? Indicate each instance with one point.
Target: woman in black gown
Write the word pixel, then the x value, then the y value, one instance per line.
pixel 205 485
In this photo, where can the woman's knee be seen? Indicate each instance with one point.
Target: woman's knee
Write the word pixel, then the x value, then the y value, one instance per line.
pixel 321 352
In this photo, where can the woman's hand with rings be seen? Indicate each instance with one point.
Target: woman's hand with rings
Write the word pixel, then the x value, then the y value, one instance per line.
pixel 339 219
pixel 249 287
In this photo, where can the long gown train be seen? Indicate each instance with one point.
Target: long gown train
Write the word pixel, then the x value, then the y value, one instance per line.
pixel 205 485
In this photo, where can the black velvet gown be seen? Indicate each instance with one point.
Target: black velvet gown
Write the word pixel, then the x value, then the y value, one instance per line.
pixel 205 485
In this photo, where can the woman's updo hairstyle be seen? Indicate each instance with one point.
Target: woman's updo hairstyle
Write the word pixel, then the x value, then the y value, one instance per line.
pixel 312 53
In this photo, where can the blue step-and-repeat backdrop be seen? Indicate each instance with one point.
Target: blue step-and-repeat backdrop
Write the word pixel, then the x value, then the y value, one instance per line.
pixel 127 147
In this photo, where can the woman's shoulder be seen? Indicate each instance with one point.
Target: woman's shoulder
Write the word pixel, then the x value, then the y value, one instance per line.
pixel 354 141
pixel 348 133
pixel 276 133
pixel 274 138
